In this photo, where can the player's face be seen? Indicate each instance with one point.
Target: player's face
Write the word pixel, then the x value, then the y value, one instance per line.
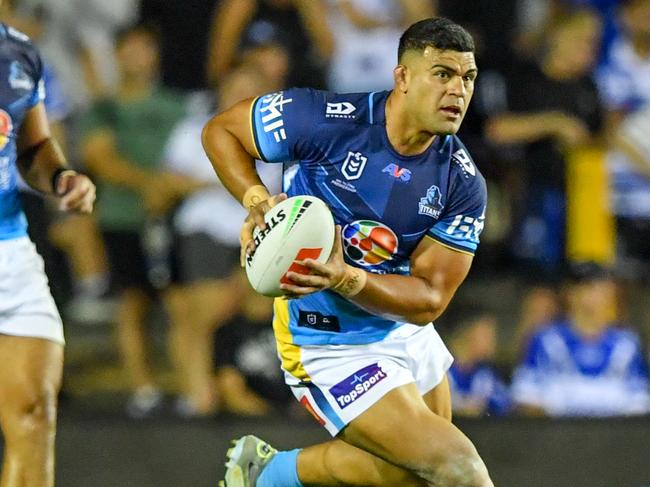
pixel 439 86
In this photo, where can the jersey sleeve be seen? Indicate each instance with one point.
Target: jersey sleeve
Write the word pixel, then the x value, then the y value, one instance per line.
pixel 27 70
pixel 282 124
pixel 461 223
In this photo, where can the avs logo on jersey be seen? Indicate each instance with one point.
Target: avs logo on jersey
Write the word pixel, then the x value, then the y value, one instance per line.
pixel 271 110
pixel 343 109
pixel 18 78
pixel 461 158
pixel 353 166
pixel 431 205
pixel 353 387
pixel 399 173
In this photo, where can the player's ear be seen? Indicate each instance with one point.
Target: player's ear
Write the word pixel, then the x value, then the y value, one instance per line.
pixel 401 76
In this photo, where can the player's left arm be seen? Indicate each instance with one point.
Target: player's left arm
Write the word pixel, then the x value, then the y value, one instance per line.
pixel 44 167
pixel 436 272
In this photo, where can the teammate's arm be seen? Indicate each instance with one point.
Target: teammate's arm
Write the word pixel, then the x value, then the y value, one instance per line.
pixel 44 167
pixel 436 273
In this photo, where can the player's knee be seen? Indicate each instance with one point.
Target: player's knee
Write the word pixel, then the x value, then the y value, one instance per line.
pixel 459 466
pixel 34 415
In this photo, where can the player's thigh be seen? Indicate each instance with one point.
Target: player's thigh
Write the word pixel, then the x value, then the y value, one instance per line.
pixel 438 399
pixel 30 373
pixel 401 429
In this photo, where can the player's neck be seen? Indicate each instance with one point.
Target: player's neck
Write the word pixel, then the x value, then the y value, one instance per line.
pixel 405 137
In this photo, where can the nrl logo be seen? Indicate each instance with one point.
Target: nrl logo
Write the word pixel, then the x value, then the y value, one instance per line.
pixel 431 205
pixel 353 166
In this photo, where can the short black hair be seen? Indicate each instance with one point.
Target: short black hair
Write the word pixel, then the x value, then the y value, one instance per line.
pixel 438 32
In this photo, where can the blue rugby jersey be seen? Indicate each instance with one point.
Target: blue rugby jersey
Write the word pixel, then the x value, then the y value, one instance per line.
pixel 385 202
pixel 571 375
pixel 21 88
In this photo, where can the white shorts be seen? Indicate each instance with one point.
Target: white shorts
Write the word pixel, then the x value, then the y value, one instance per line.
pixel 336 383
pixel 26 305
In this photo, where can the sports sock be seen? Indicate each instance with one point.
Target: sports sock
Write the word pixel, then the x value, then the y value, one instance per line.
pixel 281 471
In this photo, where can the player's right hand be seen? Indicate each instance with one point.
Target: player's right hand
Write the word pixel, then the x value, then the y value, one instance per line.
pixel 254 219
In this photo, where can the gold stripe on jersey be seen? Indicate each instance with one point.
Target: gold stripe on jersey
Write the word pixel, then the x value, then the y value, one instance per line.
pixel 449 246
pixel 289 353
pixel 251 121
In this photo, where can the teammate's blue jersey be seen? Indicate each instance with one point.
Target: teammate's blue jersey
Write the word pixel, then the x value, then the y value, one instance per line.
pixel 21 88
pixel 386 203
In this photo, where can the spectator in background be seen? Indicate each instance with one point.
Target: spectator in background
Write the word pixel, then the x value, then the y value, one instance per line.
pixel 633 143
pixel 553 107
pixel 535 16
pixel 540 305
pixel 249 380
pixel 584 364
pixel 184 35
pixel 207 223
pixel 364 31
pixel 299 23
pixel 122 139
pixel 269 57
pixel 476 388
pixel 624 81
pixel 76 37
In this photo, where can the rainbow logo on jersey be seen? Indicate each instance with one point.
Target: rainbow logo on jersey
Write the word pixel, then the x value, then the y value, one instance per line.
pixel 369 243
pixel 6 126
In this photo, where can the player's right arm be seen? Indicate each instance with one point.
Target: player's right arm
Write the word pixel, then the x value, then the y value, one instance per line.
pixel 229 143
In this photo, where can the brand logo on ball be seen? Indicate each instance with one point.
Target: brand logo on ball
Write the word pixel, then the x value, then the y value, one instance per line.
pixel 353 166
pixel 369 243
pixel 6 126
pixel 352 388
pixel 260 235
pixel 297 210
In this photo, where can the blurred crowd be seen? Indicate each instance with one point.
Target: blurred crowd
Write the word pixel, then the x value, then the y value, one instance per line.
pixel 559 125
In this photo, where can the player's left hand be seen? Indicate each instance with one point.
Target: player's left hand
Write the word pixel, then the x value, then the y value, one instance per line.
pixel 321 275
pixel 76 192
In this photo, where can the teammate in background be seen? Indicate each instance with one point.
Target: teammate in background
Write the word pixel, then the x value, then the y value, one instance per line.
pixel 31 332
pixel 358 347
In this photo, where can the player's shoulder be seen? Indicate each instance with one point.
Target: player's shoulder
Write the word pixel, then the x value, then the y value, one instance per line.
pixel 623 334
pixel 328 107
pixel 462 166
pixel 16 38
pixel 19 45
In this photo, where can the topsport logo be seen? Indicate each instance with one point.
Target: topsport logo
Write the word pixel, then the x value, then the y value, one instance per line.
pixel 353 387
pixel 368 243
pixel 6 127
